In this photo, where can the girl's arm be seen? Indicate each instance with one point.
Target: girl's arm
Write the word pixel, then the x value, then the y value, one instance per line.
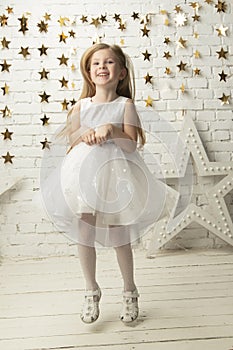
pixel 125 137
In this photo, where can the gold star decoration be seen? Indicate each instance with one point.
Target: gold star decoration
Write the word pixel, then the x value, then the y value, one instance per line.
pixel 197 54
pixel 45 120
pixel 177 9
pixel 103 18
pixel 63 60
pixel 167 40
pixel 47 17
pixel 65 104
pixel 222 30
pixel 72 102
pixel 7 135
pixel 5 66
pixel 64 82
pixel 9 10
pixel 146 55
pixel 149 102
pixel 197 71
pixel 5 43
pixel 135 15
pixel 44 97
pixel 181 43
pixel 223 76
pixel 180 19
pixel 222 53
pixel 224 99
pixel 122 26
pixel 148 78
pixel 6 112
pixel 145 19
pixel 163 12
pixel 195 5
pixel 195 35
pixel 195 18
pixel 3 20
pixel 145 31
pixel 8 158
pixel 95 22
pixel 73 67
pixel 221 6
pixel 167 55
pixel 43 26
pixel 43 50
pixel 24 51
pixel 62 21
pixel 181 66
pixel 166 22
pixel 117 17
pixel 43 74
pixel 62 37
pixel 72 33
pixel 122 42
pixel 23 24
pixel 182 88
pixel 73 85
pixel 84 19
pixel 5 89
pixel 209 1
pixel 167 71
pixel 45 143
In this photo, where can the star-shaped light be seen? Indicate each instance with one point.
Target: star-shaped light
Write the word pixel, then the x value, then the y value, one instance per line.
pixel 64 82
pixel 45 143
pixel 43 74
pixel 122 26
pixel 177 9
pixel 196 54
pixel 72 102
pixel 84 19
pixel 167 55
pixel 167 40
pixel 122 42
pixel 7 135
pixel 167 71
pixel 5 89
pixel 45 120
pixel 149 102
pixel 223 76
pixel 63 60
pixel 145 31
pixel 209 1
pixel 180 19
pixel 197 71
pixel 24 51
pixel 213 215
pixel 103 18
pixel 62 21
pixel 95 22
pixel 8 158
pixel 146 55
pixel 135 15
pixel 117 17
pixel 5 66
pixel 195 35
pixel 181 66
pixel 9 10
pixel 181 43
pixel 43 50
pixel 222 53
pixel 73 67
pixel 23 24
pixel 65 104
pixel 44 97
pixel 63 37
pixel 195 18
pixel 222 30
pixel 5 43
pixel 182 88
pixel 72 33
pixel 166 22
pixel 43 27
pixel 224 99
pixel 148 78
pixel 163 12
pixel 6 112
pixel 221 6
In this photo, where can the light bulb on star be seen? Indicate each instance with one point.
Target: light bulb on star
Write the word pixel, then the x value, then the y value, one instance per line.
pixel 180 19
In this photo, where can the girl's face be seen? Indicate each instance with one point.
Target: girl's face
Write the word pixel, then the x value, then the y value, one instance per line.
pixel 105 69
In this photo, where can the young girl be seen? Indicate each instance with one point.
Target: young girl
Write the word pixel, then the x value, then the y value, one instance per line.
pixel 106 194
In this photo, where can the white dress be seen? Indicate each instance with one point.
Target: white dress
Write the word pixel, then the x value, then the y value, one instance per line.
pixel 111 185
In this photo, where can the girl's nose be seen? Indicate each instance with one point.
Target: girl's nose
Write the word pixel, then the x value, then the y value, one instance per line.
pixel 102 65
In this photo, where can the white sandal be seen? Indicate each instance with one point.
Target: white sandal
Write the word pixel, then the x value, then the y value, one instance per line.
pixel 90 311
pixel 130 308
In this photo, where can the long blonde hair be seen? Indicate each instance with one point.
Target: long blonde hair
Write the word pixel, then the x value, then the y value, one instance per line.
pixel 126 87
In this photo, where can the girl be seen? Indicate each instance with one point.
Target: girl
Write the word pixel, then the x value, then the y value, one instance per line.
pixel 106 194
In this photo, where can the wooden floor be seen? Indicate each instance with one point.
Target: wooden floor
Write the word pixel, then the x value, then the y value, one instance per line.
pixel 186 303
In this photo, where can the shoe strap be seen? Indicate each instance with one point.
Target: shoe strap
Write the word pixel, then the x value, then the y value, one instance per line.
pixel 133 294
pixel 92 293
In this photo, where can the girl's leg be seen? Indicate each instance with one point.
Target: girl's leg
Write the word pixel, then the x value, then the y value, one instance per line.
pixel 125 260
pixel 86 250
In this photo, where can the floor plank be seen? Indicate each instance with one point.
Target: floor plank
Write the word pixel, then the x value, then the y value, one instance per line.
pixel 186 303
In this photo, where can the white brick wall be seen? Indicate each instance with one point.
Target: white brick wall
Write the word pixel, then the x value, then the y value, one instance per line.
pixel 25 228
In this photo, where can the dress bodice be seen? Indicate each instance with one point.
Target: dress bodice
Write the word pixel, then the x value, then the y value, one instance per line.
pixel 93 114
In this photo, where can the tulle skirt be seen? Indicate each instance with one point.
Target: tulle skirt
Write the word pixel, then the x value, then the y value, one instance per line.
pixel 103 195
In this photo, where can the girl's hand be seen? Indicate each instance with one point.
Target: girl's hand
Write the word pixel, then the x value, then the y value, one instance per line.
pixel 103 133
pixel 89 137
